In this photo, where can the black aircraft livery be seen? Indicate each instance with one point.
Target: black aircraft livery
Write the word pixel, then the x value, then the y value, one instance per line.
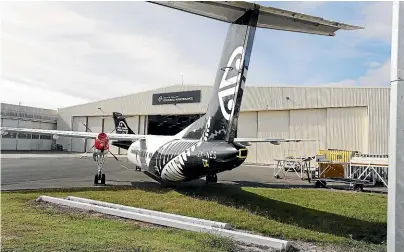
pixel 209 145
pixel 206 147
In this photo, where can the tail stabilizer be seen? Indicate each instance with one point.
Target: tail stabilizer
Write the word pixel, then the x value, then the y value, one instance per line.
pixel 227 93
pixel 121 126
pixel 221 118
pixel 220 121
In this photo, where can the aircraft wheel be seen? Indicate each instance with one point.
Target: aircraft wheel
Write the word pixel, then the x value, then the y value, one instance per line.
pixel 358 187
pixel 103 179
pixel 96 179
pixel 211 178
pixel 214 179
pixel 320 184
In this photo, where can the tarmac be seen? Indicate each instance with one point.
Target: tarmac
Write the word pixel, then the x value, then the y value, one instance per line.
pixel 66 170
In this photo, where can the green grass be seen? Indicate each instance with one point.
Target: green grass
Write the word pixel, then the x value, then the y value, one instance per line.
pixel 348 219
pixel 28 226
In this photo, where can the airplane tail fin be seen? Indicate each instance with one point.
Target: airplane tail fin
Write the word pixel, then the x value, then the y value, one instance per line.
pixel 224 106
pixel 121 126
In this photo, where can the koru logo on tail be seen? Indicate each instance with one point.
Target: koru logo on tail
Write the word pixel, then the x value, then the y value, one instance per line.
pixel 122 128
pixel 227 87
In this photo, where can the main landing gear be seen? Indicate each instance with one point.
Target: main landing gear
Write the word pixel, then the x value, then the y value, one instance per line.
pixel 99 157
pixel 211 178
pixel 98 178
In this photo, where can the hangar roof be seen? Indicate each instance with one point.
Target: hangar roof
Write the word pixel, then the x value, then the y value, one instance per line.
pixel 255 98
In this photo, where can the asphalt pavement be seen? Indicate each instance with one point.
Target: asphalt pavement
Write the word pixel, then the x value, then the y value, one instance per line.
pixel 33 171
pixel 64 170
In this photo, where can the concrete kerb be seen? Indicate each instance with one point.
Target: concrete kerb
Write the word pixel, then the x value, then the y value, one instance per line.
pixel 235 235
pixel 153 213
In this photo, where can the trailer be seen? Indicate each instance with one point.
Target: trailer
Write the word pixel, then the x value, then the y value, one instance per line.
pixel 334 166
pixel 355 184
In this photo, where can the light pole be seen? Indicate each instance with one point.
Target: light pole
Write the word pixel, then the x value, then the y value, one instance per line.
pixel 395 207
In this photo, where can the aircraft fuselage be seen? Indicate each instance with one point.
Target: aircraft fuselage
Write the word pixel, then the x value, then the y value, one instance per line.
pixel 181 160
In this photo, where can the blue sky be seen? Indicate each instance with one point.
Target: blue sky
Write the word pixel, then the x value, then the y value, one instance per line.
pixel 347 56
pixel 77 52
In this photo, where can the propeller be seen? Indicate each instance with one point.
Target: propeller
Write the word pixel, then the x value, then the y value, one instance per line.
pixel 93 144
pixel 108 149
pixel 120 163
pixel 86 151
pixel 113 155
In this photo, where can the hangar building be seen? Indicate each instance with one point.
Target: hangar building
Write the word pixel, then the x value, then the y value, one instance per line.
pixel 18 116
pixel 348 118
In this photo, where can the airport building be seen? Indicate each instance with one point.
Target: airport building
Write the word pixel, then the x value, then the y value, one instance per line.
pixel 348 118
pixel 18 116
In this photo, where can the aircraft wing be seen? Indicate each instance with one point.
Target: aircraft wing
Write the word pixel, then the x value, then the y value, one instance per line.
pixel 274 141
pixel 269 18
pixel 75 134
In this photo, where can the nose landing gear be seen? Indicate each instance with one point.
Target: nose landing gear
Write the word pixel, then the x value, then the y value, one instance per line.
pixel 99 157
pixel 101 178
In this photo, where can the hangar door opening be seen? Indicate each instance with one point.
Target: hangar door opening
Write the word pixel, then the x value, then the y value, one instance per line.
pixel 169 124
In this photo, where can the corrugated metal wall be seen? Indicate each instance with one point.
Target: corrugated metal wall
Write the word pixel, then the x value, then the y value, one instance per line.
pixel 109 126
pixel 78 144
pixel 280 110
pixel 347 128
pixel 334 128
pixel 94 125
pixel 9 142
pixel 248 125
pixel 26 141
pixel 99 124
pixel 272 124
pixel 27 117
pixel 377 101
pixel 308 124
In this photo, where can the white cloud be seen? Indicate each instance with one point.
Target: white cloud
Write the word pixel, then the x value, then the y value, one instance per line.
pixel 377 21
pixel 53 48
pixel 373 64
pixel 373 77
pixel 91 51
pixel 379 76
pixel 15 92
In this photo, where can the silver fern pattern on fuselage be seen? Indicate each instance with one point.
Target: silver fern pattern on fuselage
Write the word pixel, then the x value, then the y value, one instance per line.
pixel 172 168
pixel 170 151
pixel 177 155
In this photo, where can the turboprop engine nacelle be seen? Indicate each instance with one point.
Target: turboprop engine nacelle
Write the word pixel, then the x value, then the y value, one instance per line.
pixel 101 142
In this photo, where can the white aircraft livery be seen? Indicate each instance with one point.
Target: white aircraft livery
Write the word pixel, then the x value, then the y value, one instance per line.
pixel 209 145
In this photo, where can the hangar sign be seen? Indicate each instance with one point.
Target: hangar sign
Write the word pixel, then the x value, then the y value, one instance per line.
pixel 177 97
